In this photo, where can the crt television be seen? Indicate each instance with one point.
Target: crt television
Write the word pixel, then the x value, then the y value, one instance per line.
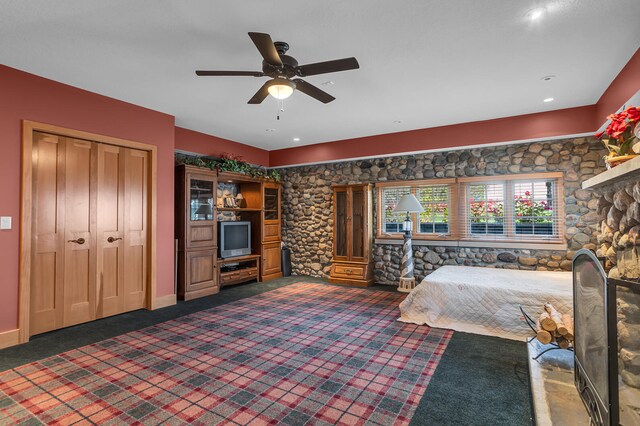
pixel 234 238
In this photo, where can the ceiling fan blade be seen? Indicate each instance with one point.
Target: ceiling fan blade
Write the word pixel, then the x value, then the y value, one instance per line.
pixel 313 91
pixel 261 94
pixel 230 73
pixel 327 67
pixel 266 48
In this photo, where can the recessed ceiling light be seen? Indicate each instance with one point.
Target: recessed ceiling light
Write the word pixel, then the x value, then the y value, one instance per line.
pixel 296 139
pixel 537 13
pixel 548 77
pixel 327 83
pixel 270 130
pixel 547 100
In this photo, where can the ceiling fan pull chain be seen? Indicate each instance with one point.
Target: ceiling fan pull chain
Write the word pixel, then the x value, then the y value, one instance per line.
pixel 280 107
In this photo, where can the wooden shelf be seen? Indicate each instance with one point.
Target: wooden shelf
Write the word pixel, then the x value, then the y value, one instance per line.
pixel 222 261
pixel 249 269
pixel 237 209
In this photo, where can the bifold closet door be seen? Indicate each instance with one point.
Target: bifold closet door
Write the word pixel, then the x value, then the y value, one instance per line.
pixel 89 231
pixel 122 229
pixel 135 228
pixel 111 170
pixel 63 275
pixel 47 231
pixel 80 229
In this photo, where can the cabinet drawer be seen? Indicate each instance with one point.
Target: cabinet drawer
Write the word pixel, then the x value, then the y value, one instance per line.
pixel 348 271
pixel 238 276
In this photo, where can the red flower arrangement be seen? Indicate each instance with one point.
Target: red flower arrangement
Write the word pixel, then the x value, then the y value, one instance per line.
pixel 622 133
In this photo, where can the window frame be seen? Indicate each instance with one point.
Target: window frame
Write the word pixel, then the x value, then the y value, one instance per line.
pixel 413 185
pixel 458 209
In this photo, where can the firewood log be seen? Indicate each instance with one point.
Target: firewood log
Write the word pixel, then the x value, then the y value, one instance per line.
pixel 543 335
pixel 556 317
pixel 562 342
pixel 568 323
pixel 546 322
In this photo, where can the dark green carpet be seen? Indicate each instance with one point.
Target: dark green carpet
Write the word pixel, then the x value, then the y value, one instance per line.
pixel 479 381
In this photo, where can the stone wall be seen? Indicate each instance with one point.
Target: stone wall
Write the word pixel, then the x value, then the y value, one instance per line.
pixel 619 229
pixel 618 239
pixel 307 204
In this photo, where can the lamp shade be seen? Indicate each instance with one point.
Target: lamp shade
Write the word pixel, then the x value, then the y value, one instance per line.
pixel 410 204
pixel 281 88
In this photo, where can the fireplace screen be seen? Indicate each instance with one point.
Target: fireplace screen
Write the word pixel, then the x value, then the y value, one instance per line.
pixel 607 342
pixel 591 334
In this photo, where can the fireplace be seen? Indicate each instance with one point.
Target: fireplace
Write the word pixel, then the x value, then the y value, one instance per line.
pixel 607 342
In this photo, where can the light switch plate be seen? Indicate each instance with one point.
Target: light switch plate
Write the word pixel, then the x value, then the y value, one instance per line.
pixel 5 222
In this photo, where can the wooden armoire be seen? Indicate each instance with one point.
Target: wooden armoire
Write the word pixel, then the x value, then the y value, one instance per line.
pixel 196 231
pixel 352 262
pixel 89 231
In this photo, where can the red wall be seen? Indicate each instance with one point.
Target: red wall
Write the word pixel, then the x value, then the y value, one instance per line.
pixel 550 124
pixel 523 127
pixel 621 89
pixel 201 143
pixel 26 96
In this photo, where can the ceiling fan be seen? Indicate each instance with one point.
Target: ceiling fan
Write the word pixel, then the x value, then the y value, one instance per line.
pixel 284 70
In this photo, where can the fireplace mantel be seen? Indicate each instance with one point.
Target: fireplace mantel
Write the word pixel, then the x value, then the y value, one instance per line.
pixel 621 173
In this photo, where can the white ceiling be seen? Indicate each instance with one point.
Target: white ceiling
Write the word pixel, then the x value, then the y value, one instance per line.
pixel 424 62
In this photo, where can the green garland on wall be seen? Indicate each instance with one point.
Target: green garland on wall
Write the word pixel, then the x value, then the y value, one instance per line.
pixel 228 163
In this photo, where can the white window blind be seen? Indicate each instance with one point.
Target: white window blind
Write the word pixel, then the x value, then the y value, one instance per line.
pixel 392 222
pixel 512 210
pixel 435 200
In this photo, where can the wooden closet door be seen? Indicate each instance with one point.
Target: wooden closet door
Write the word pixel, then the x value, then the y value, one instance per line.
pixel 48 237
pixel 135 228
pixel 110 250
pixel 80 230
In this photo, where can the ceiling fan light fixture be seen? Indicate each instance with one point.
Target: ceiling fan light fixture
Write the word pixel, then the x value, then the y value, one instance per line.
pixel 281 88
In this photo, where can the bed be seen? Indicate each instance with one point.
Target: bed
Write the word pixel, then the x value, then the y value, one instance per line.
pixel 486 300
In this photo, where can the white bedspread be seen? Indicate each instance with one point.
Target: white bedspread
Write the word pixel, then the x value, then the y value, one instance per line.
pixel 485 300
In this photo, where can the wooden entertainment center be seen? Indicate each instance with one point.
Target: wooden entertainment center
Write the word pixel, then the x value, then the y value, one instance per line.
pixel 201 196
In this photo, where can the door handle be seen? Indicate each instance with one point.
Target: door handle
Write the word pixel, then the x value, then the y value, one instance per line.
pixel 111 239
pixel 78 241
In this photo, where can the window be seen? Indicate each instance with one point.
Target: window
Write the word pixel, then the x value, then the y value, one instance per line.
pixel 392 222
pixel 515 208
pixel 525 207
pixel 436 200
pixel 533 208
pixel 485 209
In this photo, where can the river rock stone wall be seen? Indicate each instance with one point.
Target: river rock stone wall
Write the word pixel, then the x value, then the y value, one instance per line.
pixel 307 205
pixel 619 243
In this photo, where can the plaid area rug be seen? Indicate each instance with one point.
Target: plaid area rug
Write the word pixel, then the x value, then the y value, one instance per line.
pixel 302 354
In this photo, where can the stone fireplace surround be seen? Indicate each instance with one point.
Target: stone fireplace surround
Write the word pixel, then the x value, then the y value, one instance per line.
pixel 307 205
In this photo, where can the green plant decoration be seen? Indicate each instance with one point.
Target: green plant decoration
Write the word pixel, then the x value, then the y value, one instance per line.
pixel 229 163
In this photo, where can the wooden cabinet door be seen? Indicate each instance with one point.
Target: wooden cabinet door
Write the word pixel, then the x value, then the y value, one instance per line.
pixel 358 224
pixel 80 231
pixel 201 229
pixel 341 224
pixel 201 273
pixel 271 259
pixel 271 212
pixel 48 237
